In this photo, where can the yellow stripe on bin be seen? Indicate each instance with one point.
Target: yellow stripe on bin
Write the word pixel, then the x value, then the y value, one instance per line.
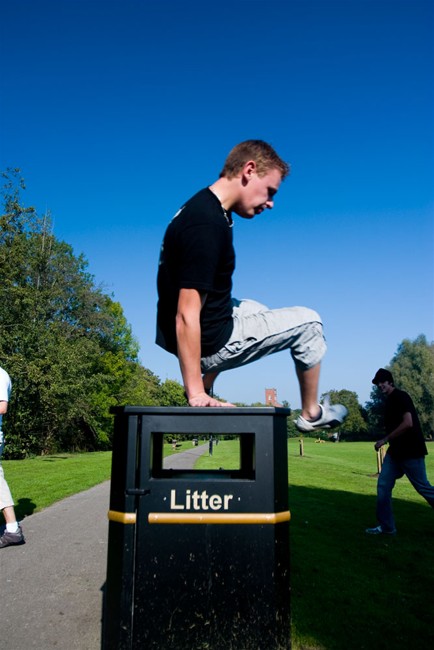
pixel 122 517
pixel 219 518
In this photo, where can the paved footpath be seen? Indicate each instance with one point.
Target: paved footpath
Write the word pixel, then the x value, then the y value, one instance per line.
pixel 51 587
pixel 51 594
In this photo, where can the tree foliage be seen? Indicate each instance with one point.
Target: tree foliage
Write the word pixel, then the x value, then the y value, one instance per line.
pixel 355 426
pixel 172 394
pixel 66 344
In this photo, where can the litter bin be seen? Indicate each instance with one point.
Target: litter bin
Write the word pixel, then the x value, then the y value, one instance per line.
pixel 198 559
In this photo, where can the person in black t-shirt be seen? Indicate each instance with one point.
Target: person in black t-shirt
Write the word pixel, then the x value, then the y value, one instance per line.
pixel 198 319
pixel 197 254
pixel 406 453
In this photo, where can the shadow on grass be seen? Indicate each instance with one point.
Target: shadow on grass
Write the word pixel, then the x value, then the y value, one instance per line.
pixel 352 590
pixel 24 508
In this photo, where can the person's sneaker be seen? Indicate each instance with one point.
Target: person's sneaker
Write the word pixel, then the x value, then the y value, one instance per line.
pixel 378 530
pixel 12 539
pixel 332 415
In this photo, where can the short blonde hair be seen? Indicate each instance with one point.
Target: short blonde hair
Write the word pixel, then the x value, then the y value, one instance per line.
pixel 261 152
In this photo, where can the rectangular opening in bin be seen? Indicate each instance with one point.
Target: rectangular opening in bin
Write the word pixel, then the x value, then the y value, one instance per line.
pixel 227 455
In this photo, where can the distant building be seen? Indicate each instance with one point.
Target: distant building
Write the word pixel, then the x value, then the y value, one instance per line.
pixel 271 397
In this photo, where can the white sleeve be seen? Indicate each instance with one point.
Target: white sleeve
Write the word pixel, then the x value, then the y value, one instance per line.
pixel 5 386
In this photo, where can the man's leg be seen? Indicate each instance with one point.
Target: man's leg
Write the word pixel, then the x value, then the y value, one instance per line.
pixel 13 534
pixel 258 332
pixel 315 416
pixel 208 381
pixel 10 518
pixel 390 471
pixel 415 471
pixel 308 381
pixel 6 501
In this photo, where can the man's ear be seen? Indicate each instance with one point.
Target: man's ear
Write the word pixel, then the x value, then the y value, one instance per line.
pixel 249 169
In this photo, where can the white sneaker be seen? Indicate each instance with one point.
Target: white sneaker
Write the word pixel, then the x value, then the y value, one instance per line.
pixel 378 530
pixel 332 415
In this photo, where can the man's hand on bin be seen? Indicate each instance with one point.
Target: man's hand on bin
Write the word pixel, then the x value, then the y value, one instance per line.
pixel 202 399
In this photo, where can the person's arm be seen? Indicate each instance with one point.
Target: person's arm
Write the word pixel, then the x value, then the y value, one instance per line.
pixel 3 407
pixel 405 425
pixel 188 336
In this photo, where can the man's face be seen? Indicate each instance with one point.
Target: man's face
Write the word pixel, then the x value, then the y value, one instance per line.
pixel 386 387
pixel 257 193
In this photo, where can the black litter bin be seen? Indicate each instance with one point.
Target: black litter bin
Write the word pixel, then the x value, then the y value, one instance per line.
pixel 198 559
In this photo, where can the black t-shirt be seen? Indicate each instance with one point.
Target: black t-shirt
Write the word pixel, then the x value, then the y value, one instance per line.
pixel 197 253
pixel 411 443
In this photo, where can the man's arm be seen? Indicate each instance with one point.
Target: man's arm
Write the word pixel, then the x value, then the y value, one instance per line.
pixel 3 407
pixel 188 336
pixel 406 423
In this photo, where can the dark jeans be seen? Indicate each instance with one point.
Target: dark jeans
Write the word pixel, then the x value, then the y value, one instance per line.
pixel 414 469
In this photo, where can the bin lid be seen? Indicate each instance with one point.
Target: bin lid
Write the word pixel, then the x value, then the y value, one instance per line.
pixel 200 410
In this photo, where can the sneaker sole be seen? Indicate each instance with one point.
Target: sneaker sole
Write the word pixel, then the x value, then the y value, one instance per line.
pixel 314 427
pixel 331 425
pixel 20 543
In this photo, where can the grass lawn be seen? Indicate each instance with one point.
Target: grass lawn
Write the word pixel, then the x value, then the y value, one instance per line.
pixel 36 483
pixel 350 591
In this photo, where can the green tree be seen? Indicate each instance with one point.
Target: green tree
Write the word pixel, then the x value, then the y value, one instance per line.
pixel 67 346
pixel 171 393
pixel 355 425
pixel 142 387
pixel 291 429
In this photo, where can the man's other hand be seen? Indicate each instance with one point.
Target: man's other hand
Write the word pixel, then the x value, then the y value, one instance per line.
pixel 202 399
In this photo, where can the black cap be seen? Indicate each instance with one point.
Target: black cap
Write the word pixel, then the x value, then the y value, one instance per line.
pixel 382 375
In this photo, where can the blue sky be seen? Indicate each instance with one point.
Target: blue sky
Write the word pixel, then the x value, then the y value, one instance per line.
pixel 117 111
